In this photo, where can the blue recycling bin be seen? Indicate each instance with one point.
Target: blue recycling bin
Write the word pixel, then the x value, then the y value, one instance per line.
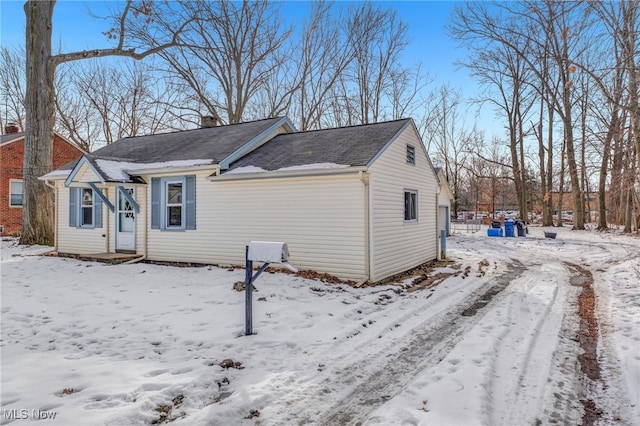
pixel 508 228
pixel 494 232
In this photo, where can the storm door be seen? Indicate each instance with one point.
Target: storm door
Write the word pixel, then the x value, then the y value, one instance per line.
pixel 125 222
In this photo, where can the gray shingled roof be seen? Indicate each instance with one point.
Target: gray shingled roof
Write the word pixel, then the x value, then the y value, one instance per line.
pixel 11 136
pixel 213 143
pixel 352 146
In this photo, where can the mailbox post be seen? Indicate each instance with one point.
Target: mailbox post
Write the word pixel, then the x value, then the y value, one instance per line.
pixel 266 252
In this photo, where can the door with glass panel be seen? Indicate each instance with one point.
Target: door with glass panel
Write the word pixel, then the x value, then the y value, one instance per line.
pixel 125 221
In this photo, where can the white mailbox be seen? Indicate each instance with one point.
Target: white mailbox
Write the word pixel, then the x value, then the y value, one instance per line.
pixel 268 251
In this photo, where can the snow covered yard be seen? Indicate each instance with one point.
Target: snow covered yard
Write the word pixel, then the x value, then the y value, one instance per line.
pixel 494 343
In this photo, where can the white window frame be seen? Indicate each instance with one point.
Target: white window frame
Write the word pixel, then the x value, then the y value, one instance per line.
pixel 411 155
pixel 82 206
pixel 415 205
pixel 11 182
pixel 164 205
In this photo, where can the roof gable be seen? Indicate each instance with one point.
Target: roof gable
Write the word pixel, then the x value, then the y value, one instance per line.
pixel 444 183
pixel 343 146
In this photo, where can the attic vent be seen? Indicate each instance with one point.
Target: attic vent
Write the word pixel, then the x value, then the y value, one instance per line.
pixel 411 154
pixel 207 121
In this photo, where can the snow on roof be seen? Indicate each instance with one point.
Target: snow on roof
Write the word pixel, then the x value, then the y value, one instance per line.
pixel 245 169
pixel 119 171
pixel 56 174
pixel 314 166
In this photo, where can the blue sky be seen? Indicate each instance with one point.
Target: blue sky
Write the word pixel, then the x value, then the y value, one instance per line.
pixel 75 29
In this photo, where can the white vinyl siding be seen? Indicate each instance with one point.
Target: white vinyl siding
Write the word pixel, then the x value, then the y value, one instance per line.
pixel 77 240
pixel 321 219
pixel 396 244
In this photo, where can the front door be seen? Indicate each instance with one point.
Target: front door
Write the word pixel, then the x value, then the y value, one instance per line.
pixel 125 222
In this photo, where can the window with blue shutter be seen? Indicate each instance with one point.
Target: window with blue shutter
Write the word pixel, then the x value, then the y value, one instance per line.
pixel 85 208
pixel 173 203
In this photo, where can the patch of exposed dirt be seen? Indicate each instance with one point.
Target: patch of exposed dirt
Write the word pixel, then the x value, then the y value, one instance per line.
pixel 423 270
pixel 588 333
pixel 165 411
pixel 591 412
pixel 587 337
pixel 429 281
pixel 514 270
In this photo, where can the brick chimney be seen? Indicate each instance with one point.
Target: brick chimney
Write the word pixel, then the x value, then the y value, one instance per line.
pixel 11 128
pixel 207 121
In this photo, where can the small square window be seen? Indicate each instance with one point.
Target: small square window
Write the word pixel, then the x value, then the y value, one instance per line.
pixel 411 154
pixel 16 190
pixel 410 206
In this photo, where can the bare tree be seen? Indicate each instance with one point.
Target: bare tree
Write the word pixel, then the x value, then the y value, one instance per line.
pixel 98 103
pixel 230 53
pixel 554 28
pixel 12 86
pixel 449 142
pixel 323 55
pixel 41 63
pixel 379 36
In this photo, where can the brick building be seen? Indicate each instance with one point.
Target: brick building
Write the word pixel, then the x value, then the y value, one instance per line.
pixel 11 171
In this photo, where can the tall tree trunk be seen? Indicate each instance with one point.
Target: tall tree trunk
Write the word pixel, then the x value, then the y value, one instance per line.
pixel 561 185
pixel 604 167
pixel 576 191
pixel 628 213
pixel 37 212
pixel 548 221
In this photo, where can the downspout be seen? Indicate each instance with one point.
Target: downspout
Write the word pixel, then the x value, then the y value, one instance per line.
pixel 364 178
pixel 438 242
pixel 147 218
pixel 55 213
pixel 107 230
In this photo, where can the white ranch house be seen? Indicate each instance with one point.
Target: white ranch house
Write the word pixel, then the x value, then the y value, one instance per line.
pixel 356 202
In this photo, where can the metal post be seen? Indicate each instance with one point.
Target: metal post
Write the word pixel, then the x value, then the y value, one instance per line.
pixel 443 244
pixel 248 286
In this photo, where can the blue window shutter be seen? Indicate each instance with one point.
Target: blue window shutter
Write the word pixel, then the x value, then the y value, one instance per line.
pixel 97 210
pixel 155 203
pixel 73 209
pixel 190 205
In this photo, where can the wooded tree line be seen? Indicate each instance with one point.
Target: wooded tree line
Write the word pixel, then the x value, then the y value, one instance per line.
pixel 560 75
pixel 237 61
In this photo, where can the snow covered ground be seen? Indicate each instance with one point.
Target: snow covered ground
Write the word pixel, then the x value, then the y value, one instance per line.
pixel 495 343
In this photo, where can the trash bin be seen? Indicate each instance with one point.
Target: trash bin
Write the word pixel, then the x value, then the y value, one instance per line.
pixel 494 232
pixel 496 224
pixel 521 227
pixel 508 228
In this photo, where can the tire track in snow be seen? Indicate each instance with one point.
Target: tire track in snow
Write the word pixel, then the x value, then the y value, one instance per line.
pixel 534 307
pixel 429 344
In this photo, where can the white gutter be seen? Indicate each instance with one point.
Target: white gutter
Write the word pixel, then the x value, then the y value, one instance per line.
pixel 287 174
